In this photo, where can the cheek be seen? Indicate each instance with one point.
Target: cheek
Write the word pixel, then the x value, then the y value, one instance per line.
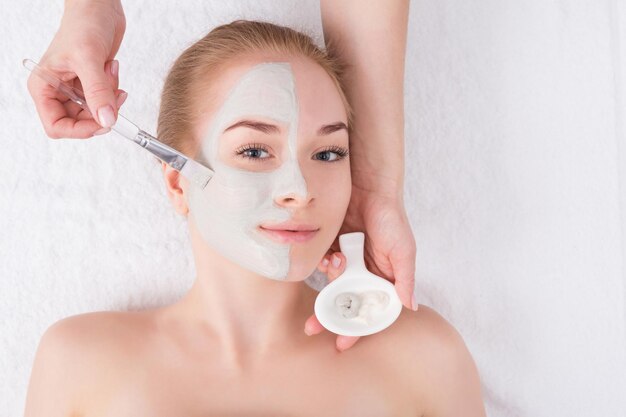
pixel 238 192
pixel 332 185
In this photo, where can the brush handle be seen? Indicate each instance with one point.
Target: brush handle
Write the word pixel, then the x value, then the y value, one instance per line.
pixel 197 172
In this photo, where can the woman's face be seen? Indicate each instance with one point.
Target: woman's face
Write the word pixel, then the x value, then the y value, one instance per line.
pixel 276 137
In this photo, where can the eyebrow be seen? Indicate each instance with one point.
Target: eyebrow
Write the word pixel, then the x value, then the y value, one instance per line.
pixel 260 126
pixel 331 128
pixel 273 129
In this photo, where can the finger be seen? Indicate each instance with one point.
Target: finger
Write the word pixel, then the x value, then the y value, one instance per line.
pixel 99 87
pixel 51 107
pixel 121 98
pixel 323 265
pixel 336 267
pixel 80 128
pixel 75 111
pixel 345 342
pixel 111 69
pixel 78 113
pixel 403 264
pixel 313 326
pixel 58 124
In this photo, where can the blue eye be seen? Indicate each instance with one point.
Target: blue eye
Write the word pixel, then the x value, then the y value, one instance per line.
pixel 253 151
pixel 340 152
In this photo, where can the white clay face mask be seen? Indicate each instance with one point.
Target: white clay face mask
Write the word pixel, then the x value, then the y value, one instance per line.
pixel 235 202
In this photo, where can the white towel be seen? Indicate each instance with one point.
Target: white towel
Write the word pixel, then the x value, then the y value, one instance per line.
pixel 514 179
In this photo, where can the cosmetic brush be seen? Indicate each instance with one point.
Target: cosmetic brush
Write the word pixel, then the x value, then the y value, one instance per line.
pixel 195 172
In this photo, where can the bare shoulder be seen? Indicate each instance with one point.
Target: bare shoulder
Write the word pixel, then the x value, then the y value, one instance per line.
pixel 423 338
pixel 98 333
pixel 433 331
pixel 438 363
pixel 73 350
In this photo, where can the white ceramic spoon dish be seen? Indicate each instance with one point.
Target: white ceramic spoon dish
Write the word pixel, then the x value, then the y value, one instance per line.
pixel 357 303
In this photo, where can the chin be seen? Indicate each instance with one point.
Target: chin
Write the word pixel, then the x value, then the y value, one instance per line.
pixel 300 272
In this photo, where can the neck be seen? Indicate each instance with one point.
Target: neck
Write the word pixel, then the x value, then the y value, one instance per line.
pixel 248 315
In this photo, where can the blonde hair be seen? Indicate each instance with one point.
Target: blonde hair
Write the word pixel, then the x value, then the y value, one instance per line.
pixel 191 74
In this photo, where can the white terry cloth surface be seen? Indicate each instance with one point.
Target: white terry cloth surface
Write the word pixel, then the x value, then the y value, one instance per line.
pixel 515 188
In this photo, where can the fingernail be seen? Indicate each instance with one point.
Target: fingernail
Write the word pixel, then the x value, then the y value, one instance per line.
pixel 115 67
pixel 121 99
pixel 414 304
pixel 102 131
pixel 307 331
pixel 106 116
pixel 336 261
pixel 325 261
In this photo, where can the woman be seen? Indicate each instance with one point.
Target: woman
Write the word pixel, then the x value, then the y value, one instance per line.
pixel 264 108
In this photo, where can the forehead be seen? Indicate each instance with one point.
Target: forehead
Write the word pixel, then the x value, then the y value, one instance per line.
pixel 279 88
pixel 266 90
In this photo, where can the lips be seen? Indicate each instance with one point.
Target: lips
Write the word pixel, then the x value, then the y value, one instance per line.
pixel 291 226
pixel 290 232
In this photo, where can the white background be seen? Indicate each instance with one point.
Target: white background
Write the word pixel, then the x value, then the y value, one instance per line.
pixel 515 188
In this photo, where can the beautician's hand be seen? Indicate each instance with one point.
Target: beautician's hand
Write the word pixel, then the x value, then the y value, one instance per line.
pixel 82 53
pixel 370 37
pixel 389 249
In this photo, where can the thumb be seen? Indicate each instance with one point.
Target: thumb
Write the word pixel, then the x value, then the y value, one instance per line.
pixel 99 92
pixel 404 276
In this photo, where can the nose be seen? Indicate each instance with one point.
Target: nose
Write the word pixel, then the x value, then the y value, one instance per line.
pixel 291 188
pixel 292 200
